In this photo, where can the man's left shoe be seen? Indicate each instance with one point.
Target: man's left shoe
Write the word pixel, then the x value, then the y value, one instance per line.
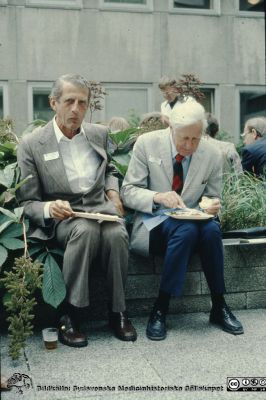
pixel 224 317
pixel 122 326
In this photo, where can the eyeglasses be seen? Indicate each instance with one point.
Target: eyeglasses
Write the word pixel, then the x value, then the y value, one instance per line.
pixel 249 132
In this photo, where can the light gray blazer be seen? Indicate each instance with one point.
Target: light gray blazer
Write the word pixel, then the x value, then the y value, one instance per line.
pixel 151 171
pixel 49 180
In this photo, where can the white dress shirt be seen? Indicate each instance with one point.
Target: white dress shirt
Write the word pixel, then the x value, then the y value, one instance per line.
pixel 80 160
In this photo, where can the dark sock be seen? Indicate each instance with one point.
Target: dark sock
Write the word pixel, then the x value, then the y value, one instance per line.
pixel 218 300
pixel 77 314
pixel 162 302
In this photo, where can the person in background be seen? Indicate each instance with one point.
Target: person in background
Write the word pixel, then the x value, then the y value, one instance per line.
pixel 254 152
pixel 117 124
pixel 231 158
pixel 174 168
pixel 70 172
pixel 169 90
pixel 152 122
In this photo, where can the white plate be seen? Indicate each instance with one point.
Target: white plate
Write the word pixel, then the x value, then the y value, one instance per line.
pixel 98 216
pixel 189 215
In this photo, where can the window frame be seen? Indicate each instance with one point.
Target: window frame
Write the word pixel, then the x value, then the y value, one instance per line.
pixel 4 87
pixel 215 10
pixel 126 6
pixel 65 4
pixel 248 14
pixel 31 87
pixel 245 89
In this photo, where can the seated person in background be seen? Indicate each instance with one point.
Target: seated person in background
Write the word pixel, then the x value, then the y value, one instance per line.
pixel 117 124
pixel 175 168
pixel 254 152
pixel 70 172
pixel 172 97
pixel 231 158
pixel 152 122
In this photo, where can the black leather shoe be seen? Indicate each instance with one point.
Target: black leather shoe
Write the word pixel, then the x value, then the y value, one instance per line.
pixel 156 328
pixel 68 335
pixel 226 320
pixel 122 326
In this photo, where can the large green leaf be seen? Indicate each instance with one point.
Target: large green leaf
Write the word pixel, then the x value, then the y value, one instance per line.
pixel 5 225
pixel 122 137
pixel 12 243
pixel 3 255
pixel 8 213
pixel 9 172
pixel 13 230
pixel 3 180
pixel 53 287
pixel 18 212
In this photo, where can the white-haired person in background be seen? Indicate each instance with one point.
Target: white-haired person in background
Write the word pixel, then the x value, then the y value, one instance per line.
pixel 173 99
pixel 170 169
pixel 254 152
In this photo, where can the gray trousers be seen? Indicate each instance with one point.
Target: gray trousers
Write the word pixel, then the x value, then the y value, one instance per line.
pixel 84 239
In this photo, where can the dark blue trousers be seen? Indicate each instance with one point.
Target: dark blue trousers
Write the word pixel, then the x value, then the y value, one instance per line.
pixel 178 240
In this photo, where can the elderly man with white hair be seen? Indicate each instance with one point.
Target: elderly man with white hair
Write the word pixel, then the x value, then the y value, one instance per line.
pixel 169 169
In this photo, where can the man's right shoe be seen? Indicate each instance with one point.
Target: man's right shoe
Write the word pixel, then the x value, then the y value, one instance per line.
pixel 224 317
pixel 68 336
pixel 156 328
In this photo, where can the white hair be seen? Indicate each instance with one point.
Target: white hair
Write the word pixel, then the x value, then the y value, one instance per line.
pixel 188 113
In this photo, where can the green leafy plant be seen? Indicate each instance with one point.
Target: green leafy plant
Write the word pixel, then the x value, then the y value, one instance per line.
pixel 243 202
pixel 120 147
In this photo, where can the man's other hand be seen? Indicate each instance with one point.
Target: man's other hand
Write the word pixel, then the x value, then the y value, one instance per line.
pixel 169 199
pixel 214 208
pixel 60 209
pixel 115 198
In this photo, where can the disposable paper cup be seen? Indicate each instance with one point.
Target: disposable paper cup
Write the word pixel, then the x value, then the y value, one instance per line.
pixel 50 338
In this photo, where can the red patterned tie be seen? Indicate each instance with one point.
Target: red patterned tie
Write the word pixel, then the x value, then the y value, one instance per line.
pixel 177 184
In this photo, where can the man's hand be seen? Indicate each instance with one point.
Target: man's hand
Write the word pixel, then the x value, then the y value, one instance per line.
pixel 214 208
pixel 60 209
pixel 169 199
pixel 115 198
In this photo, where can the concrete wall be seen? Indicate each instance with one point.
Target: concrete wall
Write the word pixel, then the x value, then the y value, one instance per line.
pixel 225 50
pixel 245 281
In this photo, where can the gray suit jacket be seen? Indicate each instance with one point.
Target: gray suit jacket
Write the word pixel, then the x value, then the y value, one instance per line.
pixel 151 171
pixel 49 180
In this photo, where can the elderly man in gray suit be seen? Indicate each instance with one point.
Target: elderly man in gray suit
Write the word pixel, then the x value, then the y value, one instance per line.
pixel 70 172
pixel 174 168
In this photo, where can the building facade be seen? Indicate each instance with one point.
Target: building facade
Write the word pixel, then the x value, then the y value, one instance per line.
pixel 128 45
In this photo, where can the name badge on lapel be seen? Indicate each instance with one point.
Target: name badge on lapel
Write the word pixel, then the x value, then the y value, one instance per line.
pixel 51 156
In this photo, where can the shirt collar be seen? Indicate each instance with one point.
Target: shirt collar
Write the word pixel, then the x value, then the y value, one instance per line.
pixel 59 134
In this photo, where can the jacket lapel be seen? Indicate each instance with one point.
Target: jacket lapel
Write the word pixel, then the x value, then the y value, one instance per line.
pixel 166 155
pixel 54 166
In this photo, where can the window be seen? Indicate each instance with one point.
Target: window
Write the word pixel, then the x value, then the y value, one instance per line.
pixel 195 6
pixel 55 3
pixel 192 4
pixel 251 5
pixel 4 109
pixel 124 5
pixel 39 107
pixel 252 104
pixel 208 100
pixel 124 100
pixel 1 104
pixel 127 1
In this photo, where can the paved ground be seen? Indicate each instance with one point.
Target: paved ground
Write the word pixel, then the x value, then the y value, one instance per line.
pixel 194 353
